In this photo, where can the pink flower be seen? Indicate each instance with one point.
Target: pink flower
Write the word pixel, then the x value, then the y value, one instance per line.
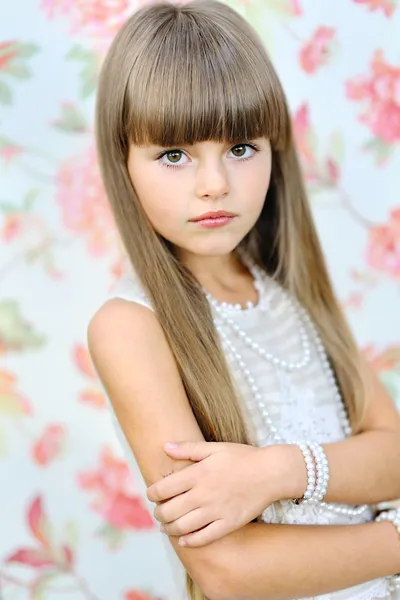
pixel 92 395
pixel 14 403
pixel 8 152
pixel 388 6
pixel 318 50
pixel 116 499
pixel 296 7
pixel 353 301
pixel 302 132
pixel 12 226
pixel 8 51
pixel 83 361
pixel 84 206
pixel 136 595
pixel 380 92
pixel 333 170
pixel 50 445
pixel 99 19
pixel 305 144
pixel 43 556
pixel 25 227
pixel 383 360
pixel 383 252
pixel 51 7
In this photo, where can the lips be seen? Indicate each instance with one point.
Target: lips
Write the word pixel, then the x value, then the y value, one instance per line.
pixel 217 214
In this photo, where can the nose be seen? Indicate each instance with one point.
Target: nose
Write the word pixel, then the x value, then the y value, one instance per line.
pixel 212 181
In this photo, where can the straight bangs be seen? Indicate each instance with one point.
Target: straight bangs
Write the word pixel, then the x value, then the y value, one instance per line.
pixel 197 81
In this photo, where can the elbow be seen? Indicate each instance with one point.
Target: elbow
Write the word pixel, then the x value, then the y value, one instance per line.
pixel 217 570
pixel 213 584
pixel 209 569
pixel 218 582
pixel 216 590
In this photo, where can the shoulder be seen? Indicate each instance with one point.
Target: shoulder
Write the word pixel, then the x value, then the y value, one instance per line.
pixel 120 325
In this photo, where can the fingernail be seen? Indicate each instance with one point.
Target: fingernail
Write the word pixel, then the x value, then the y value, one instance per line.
pixel 182 542
pixel 170 446
pixel 162 528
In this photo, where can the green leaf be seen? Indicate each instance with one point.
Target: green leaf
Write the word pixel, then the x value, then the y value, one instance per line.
pixel 18 70
pixel 113 536
pixel 80 53
pixel 90 66
pixel 337 146
pixel 33 254
pixel 89 83
pixel 5 142
pixel 5 94
pixel 27 49
pixel 9 48
pixel 42 585
pixel 16 334
pixel 71 535
pixel 381 150
pixel 7 207
pixel 9 406
pixel 29 199
pixel 71 119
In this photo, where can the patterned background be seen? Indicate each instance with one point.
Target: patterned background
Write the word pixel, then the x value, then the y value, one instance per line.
pixel 72 523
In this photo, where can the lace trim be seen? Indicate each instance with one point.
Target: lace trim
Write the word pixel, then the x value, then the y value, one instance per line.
pixel 375 591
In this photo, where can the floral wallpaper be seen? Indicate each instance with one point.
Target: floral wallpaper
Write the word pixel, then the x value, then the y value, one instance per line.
pixel 73 524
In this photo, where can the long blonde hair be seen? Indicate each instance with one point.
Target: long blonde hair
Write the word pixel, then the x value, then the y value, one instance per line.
pixel 184 74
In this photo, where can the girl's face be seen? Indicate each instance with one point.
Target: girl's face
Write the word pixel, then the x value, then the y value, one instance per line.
pixel 176 186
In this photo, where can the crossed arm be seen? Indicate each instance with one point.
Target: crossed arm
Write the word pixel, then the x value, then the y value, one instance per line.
pixel 257 561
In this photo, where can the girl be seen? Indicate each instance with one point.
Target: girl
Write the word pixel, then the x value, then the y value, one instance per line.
pixel 225 332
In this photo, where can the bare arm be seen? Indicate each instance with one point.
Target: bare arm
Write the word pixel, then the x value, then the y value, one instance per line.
pixel 259 561
pixel 365 469
pixel 280 562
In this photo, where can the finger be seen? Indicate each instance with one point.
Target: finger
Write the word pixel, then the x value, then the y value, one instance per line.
pixel 187 524
pixel 194 451
pixel 175 508
pixel 170 486
pixel 212 532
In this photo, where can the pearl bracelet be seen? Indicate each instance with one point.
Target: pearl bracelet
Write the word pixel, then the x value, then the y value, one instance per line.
pixel 317 472
pixel 322 468
pixel 393 516
pixel 308 459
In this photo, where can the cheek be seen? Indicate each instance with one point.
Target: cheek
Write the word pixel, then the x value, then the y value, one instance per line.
pixel 148 190
pixel 156 198
pixel 256 189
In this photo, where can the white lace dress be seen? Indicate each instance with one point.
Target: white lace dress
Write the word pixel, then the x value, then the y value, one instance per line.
pixel 300 404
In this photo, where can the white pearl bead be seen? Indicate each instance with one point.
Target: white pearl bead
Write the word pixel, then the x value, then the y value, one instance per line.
pixel 306 327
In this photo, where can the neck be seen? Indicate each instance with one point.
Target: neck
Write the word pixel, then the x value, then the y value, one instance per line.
pixel 224 277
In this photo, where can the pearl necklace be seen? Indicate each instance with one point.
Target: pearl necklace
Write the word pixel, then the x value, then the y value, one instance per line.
pixel 305 323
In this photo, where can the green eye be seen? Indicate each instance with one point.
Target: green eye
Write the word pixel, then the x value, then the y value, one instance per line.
pixel 174 156
pixel 239 150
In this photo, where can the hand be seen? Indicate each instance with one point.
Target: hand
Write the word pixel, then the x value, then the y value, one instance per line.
pixel 227 487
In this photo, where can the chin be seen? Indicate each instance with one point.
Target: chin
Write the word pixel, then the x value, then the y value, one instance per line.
pixel 215 248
